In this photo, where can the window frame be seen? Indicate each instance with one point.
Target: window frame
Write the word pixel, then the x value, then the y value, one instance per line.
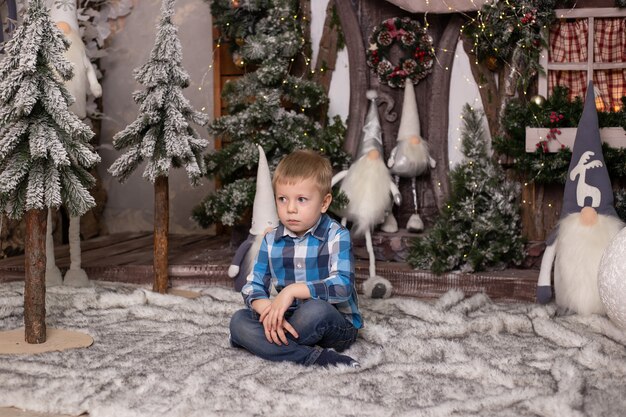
pixel 590 66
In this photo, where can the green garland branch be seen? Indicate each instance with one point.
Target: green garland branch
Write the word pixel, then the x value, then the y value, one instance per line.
pixel 557 112
pixel 509 33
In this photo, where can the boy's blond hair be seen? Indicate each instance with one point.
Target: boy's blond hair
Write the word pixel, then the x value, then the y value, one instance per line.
pixel 302 164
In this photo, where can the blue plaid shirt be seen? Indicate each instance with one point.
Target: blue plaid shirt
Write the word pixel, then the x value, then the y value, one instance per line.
pixel 321 258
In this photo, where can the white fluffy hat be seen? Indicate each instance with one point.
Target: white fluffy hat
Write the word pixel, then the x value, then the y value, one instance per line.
pixel 264 209
pixel 63 11
pixel 372 132
pixel 410 120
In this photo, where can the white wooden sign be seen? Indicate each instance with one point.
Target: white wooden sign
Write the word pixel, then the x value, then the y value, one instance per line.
pixel 613 136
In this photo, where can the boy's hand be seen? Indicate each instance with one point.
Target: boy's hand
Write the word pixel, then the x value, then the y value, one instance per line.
pixel 273 317
pixel 279 335
pixel 276 335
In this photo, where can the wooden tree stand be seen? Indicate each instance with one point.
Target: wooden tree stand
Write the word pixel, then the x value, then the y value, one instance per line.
pixel 34 338
pixel 12 342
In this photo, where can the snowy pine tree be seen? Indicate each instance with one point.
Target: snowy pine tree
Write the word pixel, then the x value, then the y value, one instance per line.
pixel 479 228
pixel 269 106
pixel 162 134
pixel 44 148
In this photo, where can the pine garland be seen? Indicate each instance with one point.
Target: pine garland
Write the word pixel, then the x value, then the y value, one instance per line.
pixel 269 106
pixel 479 228
pixel 44 148
pixel 162 134
pixel 557 112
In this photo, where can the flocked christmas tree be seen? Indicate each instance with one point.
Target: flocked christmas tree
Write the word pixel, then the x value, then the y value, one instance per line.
pixel 270 107
pixel 162 134
pixel 479 228
pixel 44 147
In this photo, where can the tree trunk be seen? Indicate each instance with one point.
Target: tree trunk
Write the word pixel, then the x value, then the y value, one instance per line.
pixel 35 277
pixel 161 229
pixel 327 55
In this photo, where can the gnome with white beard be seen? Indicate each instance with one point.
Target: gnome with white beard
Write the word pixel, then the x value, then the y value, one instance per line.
pixel 63 13
pixel 369 188
pixel 587 225
pixel 410 157
pixel 264 219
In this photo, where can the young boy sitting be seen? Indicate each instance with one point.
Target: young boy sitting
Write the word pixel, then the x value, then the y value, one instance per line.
pixel 308 259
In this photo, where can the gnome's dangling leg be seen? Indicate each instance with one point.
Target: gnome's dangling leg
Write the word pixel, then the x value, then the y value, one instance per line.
pixel 76 275
pixel 390 225
pixel 415 223
pixel 374 286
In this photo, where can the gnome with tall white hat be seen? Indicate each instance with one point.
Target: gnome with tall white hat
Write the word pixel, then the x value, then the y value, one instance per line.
pixel 410 157
pixel 369 187
pixel 63 13
pixel 264 219
pixel 587 224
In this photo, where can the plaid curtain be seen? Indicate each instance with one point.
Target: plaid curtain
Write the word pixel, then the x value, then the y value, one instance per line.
pixel 610 46
pixel 568 43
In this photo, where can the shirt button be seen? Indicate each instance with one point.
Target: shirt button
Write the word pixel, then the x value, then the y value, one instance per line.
pixel 299 265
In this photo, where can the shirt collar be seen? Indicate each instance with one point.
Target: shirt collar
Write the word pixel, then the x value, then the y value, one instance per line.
pixel 318 230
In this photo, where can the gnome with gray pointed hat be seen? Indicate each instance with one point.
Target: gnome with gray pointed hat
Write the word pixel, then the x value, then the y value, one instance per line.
pixel 369 188
pixel 587 224
pixel 410 157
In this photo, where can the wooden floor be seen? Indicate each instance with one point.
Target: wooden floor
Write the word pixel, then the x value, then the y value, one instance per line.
pixel 203 259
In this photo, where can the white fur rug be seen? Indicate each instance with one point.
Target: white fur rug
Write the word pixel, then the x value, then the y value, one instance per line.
pixel 157 355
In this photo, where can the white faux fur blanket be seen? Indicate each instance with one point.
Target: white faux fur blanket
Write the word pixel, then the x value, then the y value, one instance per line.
pixel 162 355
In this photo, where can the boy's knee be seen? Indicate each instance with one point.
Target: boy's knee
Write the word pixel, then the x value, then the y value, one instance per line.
pixel 237 321
pixel 316 307
pixel 312 312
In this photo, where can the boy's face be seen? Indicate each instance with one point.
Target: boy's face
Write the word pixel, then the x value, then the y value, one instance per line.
pixel 300 205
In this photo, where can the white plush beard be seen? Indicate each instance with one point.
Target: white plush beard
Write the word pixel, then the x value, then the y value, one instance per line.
pixel 411 160
pixel 367 187
pixel 579 249
pixel 77 86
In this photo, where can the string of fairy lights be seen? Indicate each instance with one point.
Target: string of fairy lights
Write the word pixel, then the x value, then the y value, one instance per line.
pixel 516 8
pixel 437 52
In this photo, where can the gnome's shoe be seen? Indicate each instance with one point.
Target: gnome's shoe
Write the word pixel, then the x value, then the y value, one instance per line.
pixel 233 270
pixel 377 287
pixel 544 294
pixel 390 225
pixel 415 224
pixel 76 278
pixel 53 277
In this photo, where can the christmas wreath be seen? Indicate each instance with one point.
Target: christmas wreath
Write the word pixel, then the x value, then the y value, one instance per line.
pixel 412 39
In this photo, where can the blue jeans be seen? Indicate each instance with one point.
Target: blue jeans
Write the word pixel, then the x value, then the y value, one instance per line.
pixel 318 324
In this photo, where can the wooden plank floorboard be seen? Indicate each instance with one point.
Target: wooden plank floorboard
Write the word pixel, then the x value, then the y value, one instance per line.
pixel 204 260
pixel 62 252
pixel 118 253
